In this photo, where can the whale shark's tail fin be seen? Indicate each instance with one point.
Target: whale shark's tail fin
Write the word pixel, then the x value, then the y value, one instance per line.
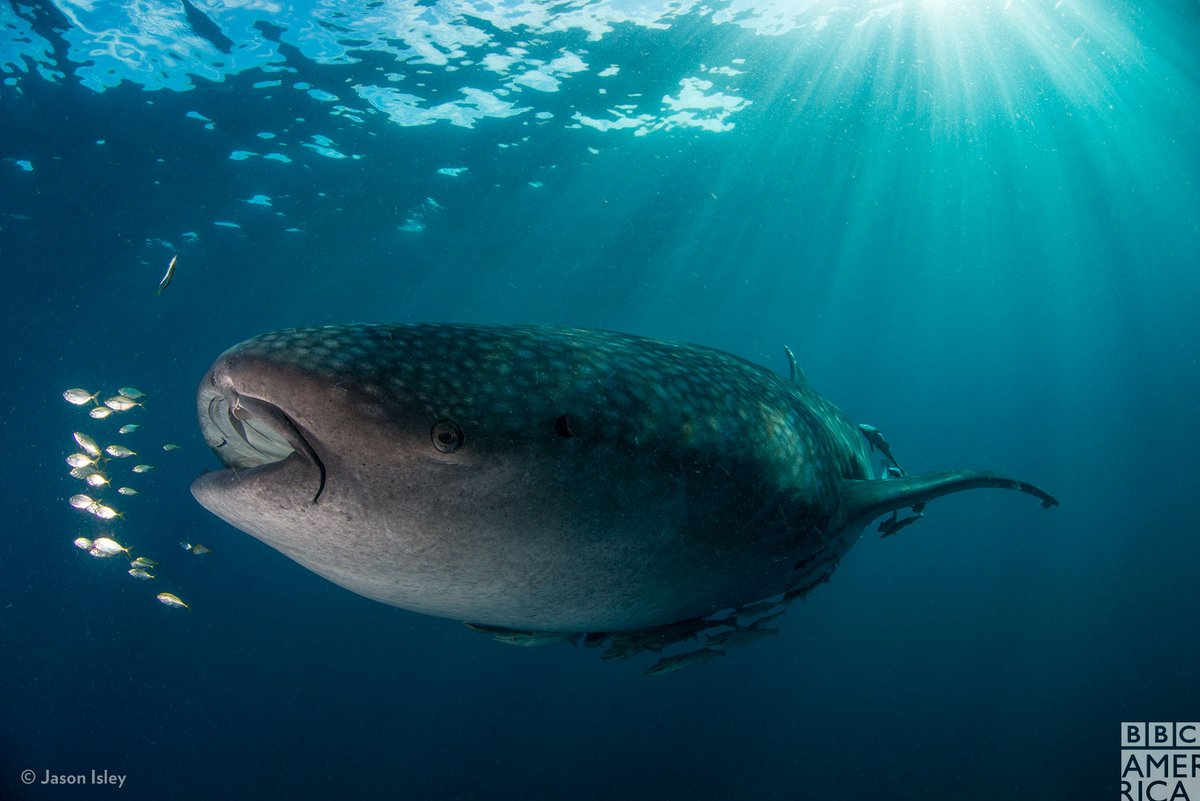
pixel 864 500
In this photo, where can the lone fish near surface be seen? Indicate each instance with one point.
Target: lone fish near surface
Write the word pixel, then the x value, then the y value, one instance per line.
pixel 540 478
pixel 165 282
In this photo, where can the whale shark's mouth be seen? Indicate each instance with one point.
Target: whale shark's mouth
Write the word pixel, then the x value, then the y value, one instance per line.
pixel 250 433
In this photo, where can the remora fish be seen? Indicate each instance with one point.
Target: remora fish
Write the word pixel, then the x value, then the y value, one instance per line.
pixel 540 478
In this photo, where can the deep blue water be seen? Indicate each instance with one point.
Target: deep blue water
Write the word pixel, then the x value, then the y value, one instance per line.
pixel 977 224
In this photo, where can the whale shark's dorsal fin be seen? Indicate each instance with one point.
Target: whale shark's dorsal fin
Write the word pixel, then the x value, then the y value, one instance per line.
pixel 864 500
pixel 797 376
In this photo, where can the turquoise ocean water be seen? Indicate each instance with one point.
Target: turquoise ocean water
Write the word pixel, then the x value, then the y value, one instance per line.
pixel 977 224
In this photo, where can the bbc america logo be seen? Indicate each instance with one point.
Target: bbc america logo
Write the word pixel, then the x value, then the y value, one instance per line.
pixel 1160 761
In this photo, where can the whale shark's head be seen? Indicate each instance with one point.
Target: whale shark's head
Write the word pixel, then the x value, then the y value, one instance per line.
pixel 276 408
pixel 344 447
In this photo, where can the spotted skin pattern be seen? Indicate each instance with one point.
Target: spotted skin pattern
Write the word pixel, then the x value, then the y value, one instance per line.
pixel 627 390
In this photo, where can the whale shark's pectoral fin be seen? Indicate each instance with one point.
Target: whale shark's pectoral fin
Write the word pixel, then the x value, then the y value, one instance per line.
pixel 797 373
pixel 864 500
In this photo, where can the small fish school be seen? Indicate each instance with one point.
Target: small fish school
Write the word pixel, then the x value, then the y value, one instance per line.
pixel 89 465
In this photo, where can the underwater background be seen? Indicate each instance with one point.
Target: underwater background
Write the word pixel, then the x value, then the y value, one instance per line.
pixel 977 224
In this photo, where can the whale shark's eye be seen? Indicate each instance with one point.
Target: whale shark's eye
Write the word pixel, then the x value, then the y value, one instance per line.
pixel 447 436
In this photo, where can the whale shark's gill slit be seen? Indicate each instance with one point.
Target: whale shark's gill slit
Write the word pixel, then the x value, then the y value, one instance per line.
pixel 320 484
pixel 292 434
pixel 297 441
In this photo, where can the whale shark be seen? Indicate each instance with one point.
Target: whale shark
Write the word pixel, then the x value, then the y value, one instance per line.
pixel 544 479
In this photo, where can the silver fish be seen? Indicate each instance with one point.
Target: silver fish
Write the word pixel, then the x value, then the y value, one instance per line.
pixel 104 512
pixel 82 501
pixel 79 397
pixel 80 460
pixel 88 444
pixel 167 276
pixel 109 546
pixel 121 403
pixel 171 600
